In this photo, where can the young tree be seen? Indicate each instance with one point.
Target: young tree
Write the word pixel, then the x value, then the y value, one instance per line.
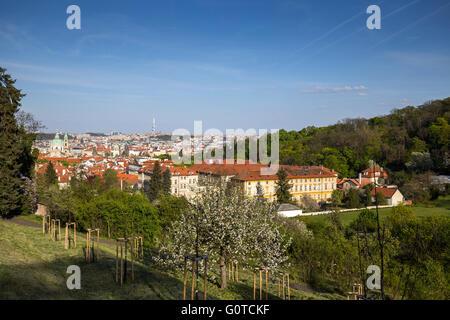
pixel 167 181
pixel 50 175
pixel 283 187
pixel 227 225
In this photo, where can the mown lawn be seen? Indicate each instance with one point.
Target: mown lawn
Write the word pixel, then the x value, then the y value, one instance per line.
pixel 440 206
pixel 33 266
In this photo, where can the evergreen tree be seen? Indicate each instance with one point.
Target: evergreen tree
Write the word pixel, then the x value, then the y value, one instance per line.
pixel 12 147
pixel 156 182
pixel 283 187
pixel 50 175
pixel 259 191
pixel 167 181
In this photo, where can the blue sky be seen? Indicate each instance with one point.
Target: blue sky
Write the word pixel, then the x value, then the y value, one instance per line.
pixel 231 64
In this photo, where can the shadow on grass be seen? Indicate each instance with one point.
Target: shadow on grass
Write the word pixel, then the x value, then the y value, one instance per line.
pixel 48 281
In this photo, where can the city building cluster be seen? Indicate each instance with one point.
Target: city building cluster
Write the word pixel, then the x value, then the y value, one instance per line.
pixel 133 157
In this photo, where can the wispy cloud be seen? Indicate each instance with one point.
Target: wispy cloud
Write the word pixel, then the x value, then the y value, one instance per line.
pixel 364 28
pixel 420 59
pixel 21 39
pixel 416 22
pixel 333 89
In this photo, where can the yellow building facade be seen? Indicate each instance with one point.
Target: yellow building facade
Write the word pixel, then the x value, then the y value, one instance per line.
pixel 318 188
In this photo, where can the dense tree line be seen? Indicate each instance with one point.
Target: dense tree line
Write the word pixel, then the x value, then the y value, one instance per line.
pixel 332 257
pixel 411 138
pixel 407 143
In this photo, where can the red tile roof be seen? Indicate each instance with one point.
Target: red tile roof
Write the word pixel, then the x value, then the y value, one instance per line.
pixel 387 192
pixel 128 178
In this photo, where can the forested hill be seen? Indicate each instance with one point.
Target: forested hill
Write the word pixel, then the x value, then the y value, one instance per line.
pixel 411 140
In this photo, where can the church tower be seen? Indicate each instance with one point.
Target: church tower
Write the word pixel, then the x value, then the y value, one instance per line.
pixel 66 144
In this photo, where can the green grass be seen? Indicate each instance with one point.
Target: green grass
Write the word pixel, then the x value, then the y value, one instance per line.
pixel 440 206
pixel 31 217
pixel 33 266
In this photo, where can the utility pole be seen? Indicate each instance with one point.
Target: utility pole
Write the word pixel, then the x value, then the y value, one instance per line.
pixel 125 237
pixel 380 241
pixel 196 254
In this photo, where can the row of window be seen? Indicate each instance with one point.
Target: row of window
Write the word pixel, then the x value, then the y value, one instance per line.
pixel 314 196
pixel 313 187
pixel 296 189
pixel 304 180
pixel 191 181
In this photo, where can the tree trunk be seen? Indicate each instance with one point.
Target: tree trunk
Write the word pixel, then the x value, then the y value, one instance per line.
pixel 223 270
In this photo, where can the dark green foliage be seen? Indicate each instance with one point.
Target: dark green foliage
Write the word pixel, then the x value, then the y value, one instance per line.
pixel 110 180
pixel 336 197
pixel 366 222
pixel 381 199
pixel 416 253
pixel 156 182
pixel 16 158
pixel 368 194
pixel 167 181
pixel 120 214
pixel 51 177
pixel 170 209
pixel 352 198
pixel 283 187
pixel 390 140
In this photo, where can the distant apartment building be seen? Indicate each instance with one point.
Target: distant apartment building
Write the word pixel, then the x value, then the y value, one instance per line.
pixel 184 182
pixel 316 181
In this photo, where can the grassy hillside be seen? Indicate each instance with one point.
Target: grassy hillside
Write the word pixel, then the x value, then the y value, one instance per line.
pixel 437 207
pixel 34 267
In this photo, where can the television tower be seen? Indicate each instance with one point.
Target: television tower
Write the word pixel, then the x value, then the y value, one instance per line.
pixel 154 127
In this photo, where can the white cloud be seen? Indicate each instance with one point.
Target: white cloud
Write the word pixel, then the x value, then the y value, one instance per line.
pixel 334 89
